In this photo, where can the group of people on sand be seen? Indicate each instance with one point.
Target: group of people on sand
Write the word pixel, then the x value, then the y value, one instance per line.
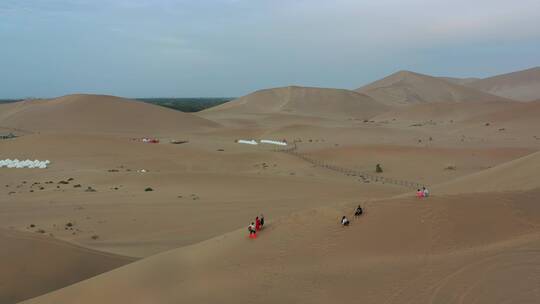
pixel 359 211
pixel 256 226
pixel 424 192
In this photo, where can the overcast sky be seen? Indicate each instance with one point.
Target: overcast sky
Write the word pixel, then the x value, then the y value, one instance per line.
pixel 188 48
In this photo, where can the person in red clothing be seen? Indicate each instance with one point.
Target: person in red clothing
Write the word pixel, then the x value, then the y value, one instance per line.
pixel 257 224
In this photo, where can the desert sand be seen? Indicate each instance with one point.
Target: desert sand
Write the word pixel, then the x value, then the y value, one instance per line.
pixel 521 85
pixel 117 220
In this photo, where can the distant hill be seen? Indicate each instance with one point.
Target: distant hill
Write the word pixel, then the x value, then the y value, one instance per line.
pixel 9 100
pixel 405 87
pixel 98 114
pixel 521 85
pixel 304 101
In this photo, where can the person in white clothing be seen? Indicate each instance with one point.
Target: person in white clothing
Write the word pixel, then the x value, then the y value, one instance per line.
pixel 426 192
pixel 345 221
pixel 252 230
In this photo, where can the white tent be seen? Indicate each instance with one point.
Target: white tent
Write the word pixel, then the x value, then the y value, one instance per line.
pixel 248 142
pixel 273 142
pixel 20 164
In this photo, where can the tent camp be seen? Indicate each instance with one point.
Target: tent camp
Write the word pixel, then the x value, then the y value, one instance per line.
pixel 20 164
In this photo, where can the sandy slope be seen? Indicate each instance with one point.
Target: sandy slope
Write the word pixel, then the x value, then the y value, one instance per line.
pixel 521 85
pixel 404 88
pixel 515 113
pixel 460 81
pixel 522 173
pixel 446 111
pixel 33 264
pixel 444 250
pixel 302 101
pixel 427 165
pixel 98 114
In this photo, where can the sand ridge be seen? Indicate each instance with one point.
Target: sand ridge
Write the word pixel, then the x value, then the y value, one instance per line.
pixel 520 85
pixel 405 87
pixel 98 114
pixel 304 101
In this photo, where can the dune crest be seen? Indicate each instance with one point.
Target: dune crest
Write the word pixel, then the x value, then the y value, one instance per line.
pixel 98 114
pixel 521 85
pixel 304 101
pixel 405 88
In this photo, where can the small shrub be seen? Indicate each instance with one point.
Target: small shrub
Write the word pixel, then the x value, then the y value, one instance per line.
pixel 148 189
pixel 378 168
pixel 95 237
pixel 450 167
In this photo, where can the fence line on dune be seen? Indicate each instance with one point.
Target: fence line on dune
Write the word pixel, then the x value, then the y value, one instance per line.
pixel 293 150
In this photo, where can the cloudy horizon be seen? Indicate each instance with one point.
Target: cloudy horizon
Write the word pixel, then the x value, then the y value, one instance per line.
pixel 143 48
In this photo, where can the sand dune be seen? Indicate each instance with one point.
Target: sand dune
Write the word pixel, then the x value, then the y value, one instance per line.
pixel 303 101
pixel 517 175
pixel 521 85
pixel 401 251
pixel 33 264
pixel 460 81
pixel 98 114
pixel 517 113
pixel 405 88
pixel 446 111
